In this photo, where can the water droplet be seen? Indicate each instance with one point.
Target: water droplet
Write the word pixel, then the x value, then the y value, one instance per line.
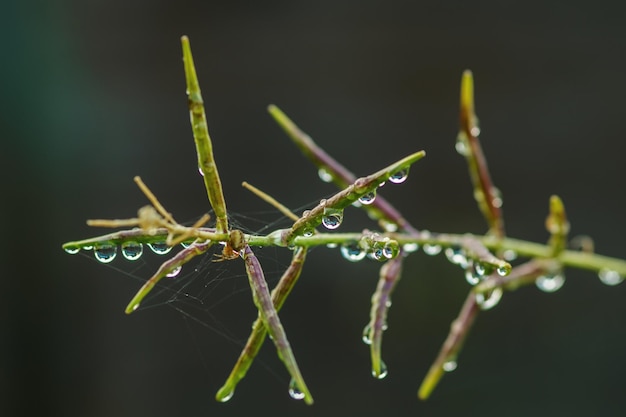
pixel 430 249
pixel 391 249
pixel 489 300
pixel 461 147
pixel 323 202
pixel 610 277
pixel 294 391
pixel 307 232
pixel 471 276
pixel 306 213
pixel 332 245
pixel 550 282
pixel 410 247
pixel 352 252
pixel 482 269
pixel 200 171
pixel 503 270
pixel 449 366
pixel 225 396
pixel 381 184
pixel 389 227
pixel 160 248
pixel 174 272
pixel 366 334
pixel 105 252
pixel 383 371
pixel 475 130
pixel 87 247
pixel 325 175
pixel 332 218
pixel 368 198
pixel 72 250
pixel 132 250
pixel 378 253
pixel 456 255
pixel 509 255
pixel 400 176
pixel 497 197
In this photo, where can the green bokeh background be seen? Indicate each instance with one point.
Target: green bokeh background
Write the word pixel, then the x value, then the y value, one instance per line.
pixel 92 93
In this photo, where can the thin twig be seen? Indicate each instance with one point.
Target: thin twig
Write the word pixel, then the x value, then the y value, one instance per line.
pixel 269 316
pixel 204 147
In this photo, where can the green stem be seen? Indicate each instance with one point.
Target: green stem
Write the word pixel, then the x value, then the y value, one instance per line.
pixel 204 147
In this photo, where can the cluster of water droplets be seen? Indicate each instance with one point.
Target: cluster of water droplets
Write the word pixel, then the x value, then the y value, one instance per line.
pixel 373 246
pixel 106 252
pixel 477 270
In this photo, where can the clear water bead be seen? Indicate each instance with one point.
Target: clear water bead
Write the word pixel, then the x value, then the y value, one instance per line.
pixel 365 337
pixel 550 282
pixel 225 396
pixel 503 270
pixel 430 249
pixel 332 218
pixel 325 175
pixel 456 256
pixel 307 232
pixel 391 250
pixel 400 176
pixel 383 371
pixel 132 250
pixel 352 252
pixel 610 277
pixel 461 147
pixel 294 391
pixel 72 251
pixel 471 276
pixel 174 272
pixel 368 198
pixel 200 171
pixel 449 366
pixel 489 300
pixel 160 248
pixel 410 247
pixel 105 252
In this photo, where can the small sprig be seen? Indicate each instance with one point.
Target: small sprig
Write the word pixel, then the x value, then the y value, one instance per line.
pixel 483 259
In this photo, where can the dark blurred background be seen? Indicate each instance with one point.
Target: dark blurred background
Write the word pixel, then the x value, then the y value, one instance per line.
pixel 92 93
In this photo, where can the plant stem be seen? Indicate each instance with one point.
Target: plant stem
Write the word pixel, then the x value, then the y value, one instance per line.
pixel 204 147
